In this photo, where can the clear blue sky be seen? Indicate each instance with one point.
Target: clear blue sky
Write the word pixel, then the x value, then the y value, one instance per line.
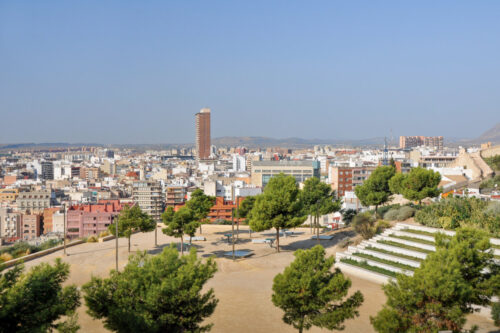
pixel 138 71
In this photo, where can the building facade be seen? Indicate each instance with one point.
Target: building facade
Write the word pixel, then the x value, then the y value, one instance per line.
pixel 8 195
pixel 35 201
pixel 263 171
pixel 31 226
pixel 344 179
pixel 203 134
pixel 406 142
pixel 90 220
pixel 175 195
pixel 10 224
pixel 148 196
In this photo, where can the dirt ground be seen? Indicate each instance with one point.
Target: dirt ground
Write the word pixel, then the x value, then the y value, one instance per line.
pixel 243 286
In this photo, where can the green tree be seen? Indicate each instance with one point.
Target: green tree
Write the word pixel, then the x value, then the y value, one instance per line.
pixel 161 293
pixel 318 199
pixel 245 207
pixel 132 219
pixel 36 301
pixel 200 204
pixel 449 284
pixel 375 190
pixel 278 207
pixel 364 224
pixel 417 185
pixel 311 294
pixel 179 223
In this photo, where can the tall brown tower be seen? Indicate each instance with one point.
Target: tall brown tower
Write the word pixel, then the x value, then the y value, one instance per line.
pixel 203 134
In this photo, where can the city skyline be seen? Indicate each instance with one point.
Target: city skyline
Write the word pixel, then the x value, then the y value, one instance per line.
pixel 129 73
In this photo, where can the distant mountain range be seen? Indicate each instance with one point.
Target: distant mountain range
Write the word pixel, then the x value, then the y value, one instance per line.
pixel 265 142
pixel 492 135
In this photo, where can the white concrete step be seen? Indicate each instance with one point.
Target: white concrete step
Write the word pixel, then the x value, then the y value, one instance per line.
pixel 373 263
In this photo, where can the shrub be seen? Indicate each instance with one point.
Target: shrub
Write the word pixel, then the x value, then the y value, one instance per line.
pixel 382 225
pixel 405 213
pixel 345 243
pixel 5 257
pixel 103 234
pixel 392 214
pixel 364 224
pixel 495 313
pixel 384 209
pixel 452 213
pixel 348 215
pixel 92 239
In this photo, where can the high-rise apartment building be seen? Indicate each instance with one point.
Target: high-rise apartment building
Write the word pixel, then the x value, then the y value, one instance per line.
pixel 415 141
pixel 47 170
pixel 148 196
pixel 203 134
pixel 345 179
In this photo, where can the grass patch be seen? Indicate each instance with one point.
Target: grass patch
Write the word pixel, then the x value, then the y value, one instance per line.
pixel 413 239
pixel 384 261
pixel 424 233
pixel 404 246
pixel 400 255
pixel 364 264
pixel 495 246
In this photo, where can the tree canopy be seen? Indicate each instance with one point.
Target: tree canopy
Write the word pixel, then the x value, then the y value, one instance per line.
pixel 310 293
pixel 416 185
pixel 161 293
pixel 449 284
pixel 132 219
pixel 375 190
pixel 35 301
pixel 318 199
pixel 200 204
pixel 278 207
pixel 180 223
pixel 245 207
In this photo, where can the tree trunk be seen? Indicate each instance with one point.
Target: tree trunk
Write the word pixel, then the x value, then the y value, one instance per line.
pixel 182 245
pixel 301 325
pixel 129 243
pixel 317 226
pixel 376 206
pixel 278 239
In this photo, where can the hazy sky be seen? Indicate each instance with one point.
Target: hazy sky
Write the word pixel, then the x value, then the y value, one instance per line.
pixel 138 71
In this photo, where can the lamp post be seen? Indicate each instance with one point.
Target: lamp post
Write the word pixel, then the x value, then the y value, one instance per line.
pixel 238 221
pixel 232 226
pixel 64 228
pixel 116 245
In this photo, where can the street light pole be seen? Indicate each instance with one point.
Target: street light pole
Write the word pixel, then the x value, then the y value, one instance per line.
pixel 238 221
pixel 232 225
pixel 64 223
pixel 116 244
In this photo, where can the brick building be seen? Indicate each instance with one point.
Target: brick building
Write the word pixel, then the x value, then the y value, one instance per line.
pixel 31 226
pixel 347 178
pixel 48 214
pixel 90 220
pixel 222 209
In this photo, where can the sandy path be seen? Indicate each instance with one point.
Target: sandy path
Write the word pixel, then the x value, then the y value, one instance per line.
pixel 243 287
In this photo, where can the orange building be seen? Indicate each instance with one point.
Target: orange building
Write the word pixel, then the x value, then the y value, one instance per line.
pixel 8 194
pixel 48 222
pixel 222 209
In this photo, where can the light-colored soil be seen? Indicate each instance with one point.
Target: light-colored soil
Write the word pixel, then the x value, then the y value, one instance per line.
pixel 243 287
